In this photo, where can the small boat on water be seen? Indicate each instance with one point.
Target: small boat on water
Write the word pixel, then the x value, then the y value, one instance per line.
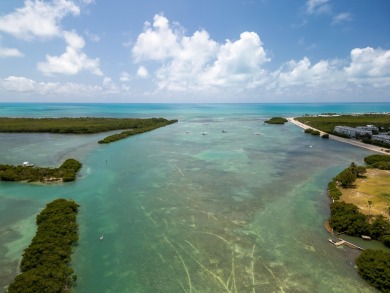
pixel 204 133
pixel 101 237
pixel 27 164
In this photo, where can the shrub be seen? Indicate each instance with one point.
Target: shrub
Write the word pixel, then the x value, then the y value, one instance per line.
pixel 374 267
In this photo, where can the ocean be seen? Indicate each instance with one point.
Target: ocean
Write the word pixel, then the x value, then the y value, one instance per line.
pixel 235 211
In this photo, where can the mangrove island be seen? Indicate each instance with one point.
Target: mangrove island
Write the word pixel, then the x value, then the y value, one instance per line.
pixel 45 262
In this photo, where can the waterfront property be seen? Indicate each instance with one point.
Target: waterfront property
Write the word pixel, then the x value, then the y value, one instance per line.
pixel 384 138
pixel 353 132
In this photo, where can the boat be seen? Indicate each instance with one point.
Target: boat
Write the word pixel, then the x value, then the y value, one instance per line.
pixel 224 131
pixel 101 237
pixel 27 164
pixel 204 133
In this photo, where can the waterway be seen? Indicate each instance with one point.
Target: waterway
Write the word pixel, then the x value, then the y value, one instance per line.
pixel 234 211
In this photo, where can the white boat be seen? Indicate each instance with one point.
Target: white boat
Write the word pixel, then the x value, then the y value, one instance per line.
pixel 27 164
pixel 204 133
pixel 101 237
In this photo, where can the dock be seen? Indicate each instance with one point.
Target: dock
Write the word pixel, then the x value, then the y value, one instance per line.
pixel 341 242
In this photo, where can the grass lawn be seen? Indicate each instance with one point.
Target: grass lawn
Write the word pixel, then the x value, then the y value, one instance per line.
pixel 375 188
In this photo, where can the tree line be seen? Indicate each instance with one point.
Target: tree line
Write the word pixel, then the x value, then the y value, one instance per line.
pixel 328 123
pixel 81 125
pixel 66 172
pixel 138 130
pixel 373 265
pixel 45 262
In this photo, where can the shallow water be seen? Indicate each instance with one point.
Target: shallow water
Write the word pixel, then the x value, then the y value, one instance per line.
pixel 186 212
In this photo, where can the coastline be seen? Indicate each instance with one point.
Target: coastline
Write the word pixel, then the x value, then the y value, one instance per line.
pixel 374 148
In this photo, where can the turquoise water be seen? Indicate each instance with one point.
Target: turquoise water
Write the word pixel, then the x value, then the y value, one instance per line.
pixel 186 212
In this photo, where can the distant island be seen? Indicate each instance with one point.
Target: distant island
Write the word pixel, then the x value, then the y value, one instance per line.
pixel 276 120
pixel 29 173
pixel 83 125
pixel 45 262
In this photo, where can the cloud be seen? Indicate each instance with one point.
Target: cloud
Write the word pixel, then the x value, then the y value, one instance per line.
pixel 37 19
pixel 109 86
pixel 369 65
pixel 157 42
pixel 304 74
pixel 196 61
pixel 92 37
pixel 10 52
pixel 124 77
pixel 317 6
pixel 193 63
pixel 342 17
pixel 23 85
pixel 142 72
pixel 18 84
pixel 72 61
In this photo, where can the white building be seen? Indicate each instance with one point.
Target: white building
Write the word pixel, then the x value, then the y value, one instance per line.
pixel 385 138
pixel 353 132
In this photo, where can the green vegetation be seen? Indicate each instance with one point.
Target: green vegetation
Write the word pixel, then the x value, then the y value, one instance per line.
pixel 333 191
pixel 45 263
pixel 348 176
pixel 327 124
pixel 139 130
pixel 74 125
pixel 374 267
pixel 312 131
pixel 326 135
pixel 346 218
pixel 83 125
pixel 66 172
pixel 381 162
pixel 276 120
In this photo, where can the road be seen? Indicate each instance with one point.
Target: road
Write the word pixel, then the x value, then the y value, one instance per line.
pixel 345 140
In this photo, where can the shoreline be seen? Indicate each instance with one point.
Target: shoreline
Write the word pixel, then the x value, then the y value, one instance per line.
pixel 374 148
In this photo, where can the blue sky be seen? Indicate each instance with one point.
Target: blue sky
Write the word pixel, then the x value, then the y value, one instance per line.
pixel 195 51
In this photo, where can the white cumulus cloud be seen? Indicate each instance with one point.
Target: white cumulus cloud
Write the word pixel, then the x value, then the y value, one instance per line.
pixel 197 61
pixel 18 84
pixel 37 19
pixel 10 52
pixel 369 62
pixel 73 60
pixel 142 72
pixel 157 42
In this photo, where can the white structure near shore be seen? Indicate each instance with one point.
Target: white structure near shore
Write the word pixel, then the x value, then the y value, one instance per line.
pixel 353 132
pixel 384 138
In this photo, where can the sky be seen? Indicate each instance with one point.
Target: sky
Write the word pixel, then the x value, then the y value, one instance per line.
pixel 195 51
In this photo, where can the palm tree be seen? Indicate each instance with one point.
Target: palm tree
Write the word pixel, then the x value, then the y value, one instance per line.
pixel 369 203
